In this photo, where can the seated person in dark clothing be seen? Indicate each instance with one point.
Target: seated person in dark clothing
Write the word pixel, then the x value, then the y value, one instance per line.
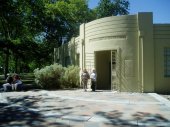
pixel 8 85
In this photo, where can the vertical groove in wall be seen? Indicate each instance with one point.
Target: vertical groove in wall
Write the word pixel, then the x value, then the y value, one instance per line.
pixel 89 61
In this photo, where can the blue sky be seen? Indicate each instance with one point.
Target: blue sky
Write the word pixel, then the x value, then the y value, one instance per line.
pixel 160 8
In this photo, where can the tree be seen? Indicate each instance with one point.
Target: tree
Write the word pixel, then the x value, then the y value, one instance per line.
pixel 19 21
pixel 63 19
pixel 30 29
pixel 112 7
pixel 7 14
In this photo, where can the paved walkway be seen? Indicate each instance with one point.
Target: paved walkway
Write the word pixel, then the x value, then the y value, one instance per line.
pixel 76 108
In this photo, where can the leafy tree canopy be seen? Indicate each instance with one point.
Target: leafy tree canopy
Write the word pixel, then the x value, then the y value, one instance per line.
pixel 30 29
pixel 112 8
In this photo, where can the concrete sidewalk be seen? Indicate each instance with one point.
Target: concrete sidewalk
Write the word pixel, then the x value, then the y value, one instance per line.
pixel 76 108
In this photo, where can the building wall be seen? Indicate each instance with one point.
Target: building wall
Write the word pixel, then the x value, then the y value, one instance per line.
pixel 68 53
pixel 161 40
pixel 132 36
pixel 114 33
pixel 139 46
pixel 146 51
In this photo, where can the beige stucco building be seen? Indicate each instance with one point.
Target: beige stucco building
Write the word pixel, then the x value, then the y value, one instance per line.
pixel 129 52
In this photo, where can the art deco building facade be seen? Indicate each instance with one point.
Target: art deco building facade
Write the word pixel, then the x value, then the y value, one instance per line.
pixel 129 52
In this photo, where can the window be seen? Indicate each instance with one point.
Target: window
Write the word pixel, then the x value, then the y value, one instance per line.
pixel 166 62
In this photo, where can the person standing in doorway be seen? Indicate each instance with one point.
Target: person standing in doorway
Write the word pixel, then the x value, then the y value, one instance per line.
pixel 93 77
pixel 84 78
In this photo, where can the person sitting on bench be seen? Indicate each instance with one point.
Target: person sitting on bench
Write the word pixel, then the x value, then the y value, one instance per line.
pixel 17 83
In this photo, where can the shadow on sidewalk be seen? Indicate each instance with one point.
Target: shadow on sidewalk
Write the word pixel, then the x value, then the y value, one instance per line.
pixel 115 117
pixel 23 111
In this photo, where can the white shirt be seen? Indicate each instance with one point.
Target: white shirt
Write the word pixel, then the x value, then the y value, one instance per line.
pixel 93 76
pixel 18 82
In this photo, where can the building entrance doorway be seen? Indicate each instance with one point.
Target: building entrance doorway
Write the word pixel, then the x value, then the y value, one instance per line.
pixel 106 66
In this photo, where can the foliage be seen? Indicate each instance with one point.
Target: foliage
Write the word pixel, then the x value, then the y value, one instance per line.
pixel 30 29
pixel 20 21
pixel 71 77
pixel 63 19
pixel 55 77
pixel 112 7
pixel 50 76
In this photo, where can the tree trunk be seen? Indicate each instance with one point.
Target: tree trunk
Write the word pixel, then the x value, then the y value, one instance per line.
pixel 6 63
pixel 16 64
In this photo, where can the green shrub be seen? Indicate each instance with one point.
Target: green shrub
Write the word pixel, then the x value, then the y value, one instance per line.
pixel 71 77
pixel 56 77
pixel 50 76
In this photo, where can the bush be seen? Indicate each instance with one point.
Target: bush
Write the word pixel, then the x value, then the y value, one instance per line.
pixel 71 77
pixel 50 76
pixel 56 77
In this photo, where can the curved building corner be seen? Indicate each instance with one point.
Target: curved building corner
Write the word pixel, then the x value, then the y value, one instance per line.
pixel 129 52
